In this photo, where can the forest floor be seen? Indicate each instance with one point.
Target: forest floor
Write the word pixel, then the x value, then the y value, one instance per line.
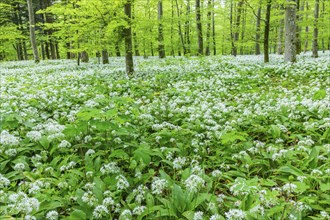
pixel 184 138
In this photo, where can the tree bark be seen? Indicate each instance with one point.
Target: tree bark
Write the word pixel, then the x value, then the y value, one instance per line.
pixel 180 30
pixel 199 28
pixel 161 47
pixel 257 46
pixel 208 28
pixel 128 38
pixel 213 30
pixel 290 31
pixel 306 29
pixel 84 57
pixel 187 28
pixel 298 27
pixel 266 32
pixel 105 56
pixel 316 30
pixel 32 32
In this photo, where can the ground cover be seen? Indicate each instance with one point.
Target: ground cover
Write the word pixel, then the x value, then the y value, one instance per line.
pixel 185 138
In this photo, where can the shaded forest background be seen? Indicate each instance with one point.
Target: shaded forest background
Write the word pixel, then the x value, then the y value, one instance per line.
pixel 84 28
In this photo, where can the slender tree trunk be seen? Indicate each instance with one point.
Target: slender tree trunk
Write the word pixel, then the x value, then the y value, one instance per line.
pixel 128 39
pixel 43 50
pixel 237 24
pixel 68 47
pixel 32 32
pixel 84 57
pixel 172 28
pixel 298 26
pixel 57 51
pixel 316 30
pixel 26 57
pixel 199 28
pixel 306 29
pixel 161 47
pixel 180 30
pixel 117 48
pixel 213 30
pixel 52 49
pixel 233 47
pixel 208 28
pixel 266 32
pixel 187 28
pixel 290 31
pixel 257 46
pixel 243 32
pixel 105 56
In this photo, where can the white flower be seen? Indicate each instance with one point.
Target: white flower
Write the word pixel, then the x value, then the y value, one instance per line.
pixel 100 212
pixel 316 172
pixel 138 210
pixel 179 162
pixel 216 173
pixel 52 215
pixel 90 152
pixel 108 202
pixel 64 144
pixel 4 182
pixel 89 198
pixel 158 185
pixel 215 217
pixel 289 188
pixel 235 214
pixel 11 152
pixel 122 182
pixel 21 203
pixel 29 217
pixel 198 215
pixel 19 167
pixel 194 183
pixel 8 139
pixel 110 168
pixel 34 135
pixel 325 215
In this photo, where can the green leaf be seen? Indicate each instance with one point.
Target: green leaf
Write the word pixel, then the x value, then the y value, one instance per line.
pixel 275 131
pixel 319 95
pixel 325 187
pixel 291 170
pixel 77 214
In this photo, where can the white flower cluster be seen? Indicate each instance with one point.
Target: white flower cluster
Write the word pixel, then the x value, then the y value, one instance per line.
pixel 4 182
pixel 235 214
pixel 158 185
pixel 122 182
pixel 21 203
pixel 194 183
pixel 7 139
pixel 110 168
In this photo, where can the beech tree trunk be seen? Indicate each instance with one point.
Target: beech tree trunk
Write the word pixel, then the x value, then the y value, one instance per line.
pixel 180 30
pixel 199 28
pixel 257 46
pixel 128 39
pixel 213 30
pixel 84 57
pixel 105 56
pixel 208 28
pixel 32 32
pixel 266 32
pixel 316 31
pixel 298 27
pixel 187 27
pixel 290 31
pixel 161 48
pixel 306 30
